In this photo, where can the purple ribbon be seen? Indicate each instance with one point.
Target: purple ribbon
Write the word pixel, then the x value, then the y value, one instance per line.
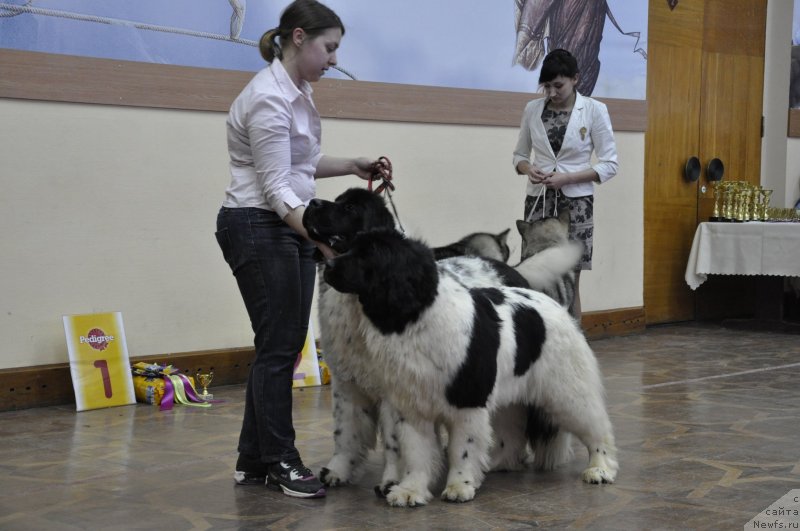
pixel 187 386
pixel 169 396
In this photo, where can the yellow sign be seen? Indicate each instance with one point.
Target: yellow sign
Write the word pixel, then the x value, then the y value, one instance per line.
pixel 306 367
pixel 98 360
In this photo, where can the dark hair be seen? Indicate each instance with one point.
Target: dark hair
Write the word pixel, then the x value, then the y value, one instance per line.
pixel 309 15
pixel 558 62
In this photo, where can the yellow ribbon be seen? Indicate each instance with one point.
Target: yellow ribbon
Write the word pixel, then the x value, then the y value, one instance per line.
pixel 180 392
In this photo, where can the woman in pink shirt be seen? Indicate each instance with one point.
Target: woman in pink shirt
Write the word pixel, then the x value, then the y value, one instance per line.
pixel 274 144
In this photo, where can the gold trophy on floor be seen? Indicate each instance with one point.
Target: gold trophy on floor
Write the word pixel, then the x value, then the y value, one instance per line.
pixel 205 380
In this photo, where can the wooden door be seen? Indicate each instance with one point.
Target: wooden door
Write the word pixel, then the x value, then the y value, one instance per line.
pixel 704 99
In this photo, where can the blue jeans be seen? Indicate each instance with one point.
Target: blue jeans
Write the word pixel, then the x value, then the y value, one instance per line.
pixel 275 271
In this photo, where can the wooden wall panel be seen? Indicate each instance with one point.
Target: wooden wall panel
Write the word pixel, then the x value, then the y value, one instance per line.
pixel 794 123
pixel 619 322
pixel 50 77
pixel 51 385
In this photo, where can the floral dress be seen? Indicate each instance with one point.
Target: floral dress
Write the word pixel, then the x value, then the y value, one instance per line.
pixel 581 209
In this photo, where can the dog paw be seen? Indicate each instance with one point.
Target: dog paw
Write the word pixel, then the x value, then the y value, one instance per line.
pixel 330 478
pixel 382 490
pixel 597 475
pixel 458 492
pixel 404 497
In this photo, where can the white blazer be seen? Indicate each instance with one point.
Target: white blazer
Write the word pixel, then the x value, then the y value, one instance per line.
pixel 589 130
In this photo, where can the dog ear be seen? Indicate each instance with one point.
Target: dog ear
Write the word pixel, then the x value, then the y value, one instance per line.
pixel 503 236
pixel 401 278
pixel 563 216
pixel 522 226
pixel 377 216
pixel 343 273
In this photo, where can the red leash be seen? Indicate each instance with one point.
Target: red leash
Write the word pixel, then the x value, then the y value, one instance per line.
pixel 382 169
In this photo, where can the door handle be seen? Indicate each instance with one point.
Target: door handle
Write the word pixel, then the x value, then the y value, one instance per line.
pixel 691 172
pixel 715 170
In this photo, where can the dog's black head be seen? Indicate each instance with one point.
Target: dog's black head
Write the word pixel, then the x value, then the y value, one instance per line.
pixel 337 222
pixel 394 277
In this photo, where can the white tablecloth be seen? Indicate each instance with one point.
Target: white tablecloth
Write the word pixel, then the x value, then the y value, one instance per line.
pixel 752 248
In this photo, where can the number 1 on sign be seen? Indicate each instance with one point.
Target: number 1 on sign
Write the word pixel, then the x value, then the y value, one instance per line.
pixel 103 366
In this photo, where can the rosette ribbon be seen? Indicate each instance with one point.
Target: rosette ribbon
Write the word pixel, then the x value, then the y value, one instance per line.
pixel 177 387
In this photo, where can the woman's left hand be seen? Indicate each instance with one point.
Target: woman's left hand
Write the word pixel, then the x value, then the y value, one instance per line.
pixel 556 180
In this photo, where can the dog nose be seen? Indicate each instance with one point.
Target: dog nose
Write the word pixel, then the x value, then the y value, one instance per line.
pixel 316 203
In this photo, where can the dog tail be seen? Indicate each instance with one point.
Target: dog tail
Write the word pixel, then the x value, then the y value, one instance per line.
pixel 546 268
pixel 552 453
pixel 551 446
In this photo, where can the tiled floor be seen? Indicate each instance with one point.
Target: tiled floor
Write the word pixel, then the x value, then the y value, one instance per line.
pixel 707 422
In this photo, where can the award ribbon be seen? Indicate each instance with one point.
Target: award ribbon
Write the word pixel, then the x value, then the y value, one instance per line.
pixel 177 387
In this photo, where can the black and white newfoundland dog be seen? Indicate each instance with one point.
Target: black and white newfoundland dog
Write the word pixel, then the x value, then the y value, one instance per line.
pixel 438 350
pixel 358 409
pixel 357 388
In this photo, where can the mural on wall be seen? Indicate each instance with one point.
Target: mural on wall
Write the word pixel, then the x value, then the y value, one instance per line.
pixel 794 80
pixel 574 25
pixel 465 44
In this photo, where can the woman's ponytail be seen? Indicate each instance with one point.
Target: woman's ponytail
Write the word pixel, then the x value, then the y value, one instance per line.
pixel 269 47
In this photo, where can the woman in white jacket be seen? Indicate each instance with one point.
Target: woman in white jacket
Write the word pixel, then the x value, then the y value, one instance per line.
pixel 557 137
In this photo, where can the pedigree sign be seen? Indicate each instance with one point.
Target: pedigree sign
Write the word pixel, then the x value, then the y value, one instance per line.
pixel 306 365
pixel 98 360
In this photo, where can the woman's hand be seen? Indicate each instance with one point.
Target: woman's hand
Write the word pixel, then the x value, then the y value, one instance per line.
pixel 537 176
pixel 556 180
pixel 326 250
pixel 363 167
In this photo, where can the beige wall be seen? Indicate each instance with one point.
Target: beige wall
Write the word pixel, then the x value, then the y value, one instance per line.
pixel 112 209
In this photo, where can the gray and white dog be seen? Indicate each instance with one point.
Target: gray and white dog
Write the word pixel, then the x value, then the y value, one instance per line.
pixel 548 239
pixel 485 244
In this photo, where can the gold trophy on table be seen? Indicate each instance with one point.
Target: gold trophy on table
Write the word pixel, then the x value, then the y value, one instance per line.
pixel 714 172
pixel 728 202
pixel 205 380
pixel 767 195
pixel 717 191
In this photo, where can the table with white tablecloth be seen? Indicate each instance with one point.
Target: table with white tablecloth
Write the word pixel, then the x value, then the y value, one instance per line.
pixel 766 249
pixel 753 248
